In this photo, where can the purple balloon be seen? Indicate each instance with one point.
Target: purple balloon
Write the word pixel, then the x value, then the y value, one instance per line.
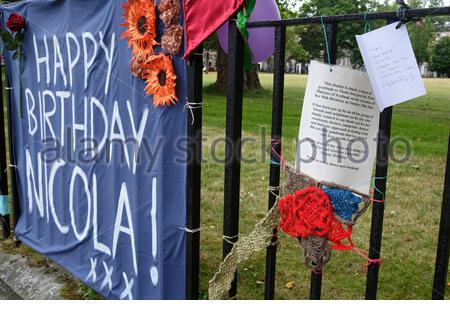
pixel 261 40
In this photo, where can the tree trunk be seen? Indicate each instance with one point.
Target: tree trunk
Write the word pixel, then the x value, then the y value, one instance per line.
pixel 251 78
pixel 221 66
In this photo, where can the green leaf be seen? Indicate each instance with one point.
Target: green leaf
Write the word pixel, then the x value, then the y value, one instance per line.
pixel 7 37
pixel 18 37
pixel 12 46
pixel 15 55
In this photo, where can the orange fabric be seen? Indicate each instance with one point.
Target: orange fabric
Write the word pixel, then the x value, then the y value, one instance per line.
pixel 203 17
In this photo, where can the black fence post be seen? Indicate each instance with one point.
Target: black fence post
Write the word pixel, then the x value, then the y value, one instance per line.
pixel 233 142
pixel 5 223
pixel 376 229
pixel 443 249
pixel 379 195
pixel 194 147
pixel 12 161
pixel 276 135
pixel 332 30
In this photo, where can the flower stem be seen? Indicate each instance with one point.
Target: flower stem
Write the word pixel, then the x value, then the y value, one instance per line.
pixel 20 81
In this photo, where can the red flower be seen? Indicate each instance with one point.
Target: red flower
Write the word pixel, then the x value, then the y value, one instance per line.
pixel 306 212
pixel 16 22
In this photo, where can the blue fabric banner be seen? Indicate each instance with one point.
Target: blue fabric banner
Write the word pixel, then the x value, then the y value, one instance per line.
pixel 101 169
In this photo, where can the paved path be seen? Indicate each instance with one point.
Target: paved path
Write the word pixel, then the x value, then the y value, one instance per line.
pixel 6 293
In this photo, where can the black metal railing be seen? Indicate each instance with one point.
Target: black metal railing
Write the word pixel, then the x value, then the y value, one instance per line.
pixel 233 151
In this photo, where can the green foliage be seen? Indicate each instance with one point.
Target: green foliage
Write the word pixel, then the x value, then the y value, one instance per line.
pixel 346 35
pixel 440 61
pixel 287 8
pixel 294 49
pixel 422 38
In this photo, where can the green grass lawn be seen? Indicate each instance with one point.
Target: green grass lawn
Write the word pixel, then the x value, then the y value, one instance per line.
pixel 413 199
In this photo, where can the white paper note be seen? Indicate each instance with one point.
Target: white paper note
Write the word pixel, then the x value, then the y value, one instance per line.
pixel 339 127
pixel 392 67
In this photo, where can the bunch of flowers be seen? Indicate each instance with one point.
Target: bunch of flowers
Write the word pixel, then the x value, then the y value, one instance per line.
pixel 170 11
pixel 155 69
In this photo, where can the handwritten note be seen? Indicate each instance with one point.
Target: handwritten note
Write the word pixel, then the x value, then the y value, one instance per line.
pixel 339 127
pixel 391 65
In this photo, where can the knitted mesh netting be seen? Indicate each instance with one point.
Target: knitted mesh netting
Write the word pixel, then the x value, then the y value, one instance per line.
pixel 257 240
pixel 316 251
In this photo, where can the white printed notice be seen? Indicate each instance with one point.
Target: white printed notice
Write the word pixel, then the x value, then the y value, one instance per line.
pixel 339 127
pixel 392 67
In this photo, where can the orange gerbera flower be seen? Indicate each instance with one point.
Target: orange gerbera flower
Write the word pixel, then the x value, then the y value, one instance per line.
pixel 140 21
pixel 160 78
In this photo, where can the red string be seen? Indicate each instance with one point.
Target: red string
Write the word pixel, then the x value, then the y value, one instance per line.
pixel 369 260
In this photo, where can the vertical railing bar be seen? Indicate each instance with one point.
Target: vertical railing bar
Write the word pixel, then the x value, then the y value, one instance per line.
pixel 332 29
pixel 233 142
pixel 5 222
pixel 12 161
pixel 443 248
pixel 276 135
pixel 380 182
pixel 193 199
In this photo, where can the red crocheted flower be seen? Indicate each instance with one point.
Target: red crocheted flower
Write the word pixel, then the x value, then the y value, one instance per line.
pixel 338 233
pixel 306 212
pixel 16 22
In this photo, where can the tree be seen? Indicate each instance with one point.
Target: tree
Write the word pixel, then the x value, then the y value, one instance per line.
pixel 294 48
pixel 422 38
pixel 312 35
pixel 251 79
pixel 440 61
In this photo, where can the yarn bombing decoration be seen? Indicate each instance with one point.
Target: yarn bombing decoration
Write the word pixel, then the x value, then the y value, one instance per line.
pixel 345 203
pixel 308 215
pixel 306 212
